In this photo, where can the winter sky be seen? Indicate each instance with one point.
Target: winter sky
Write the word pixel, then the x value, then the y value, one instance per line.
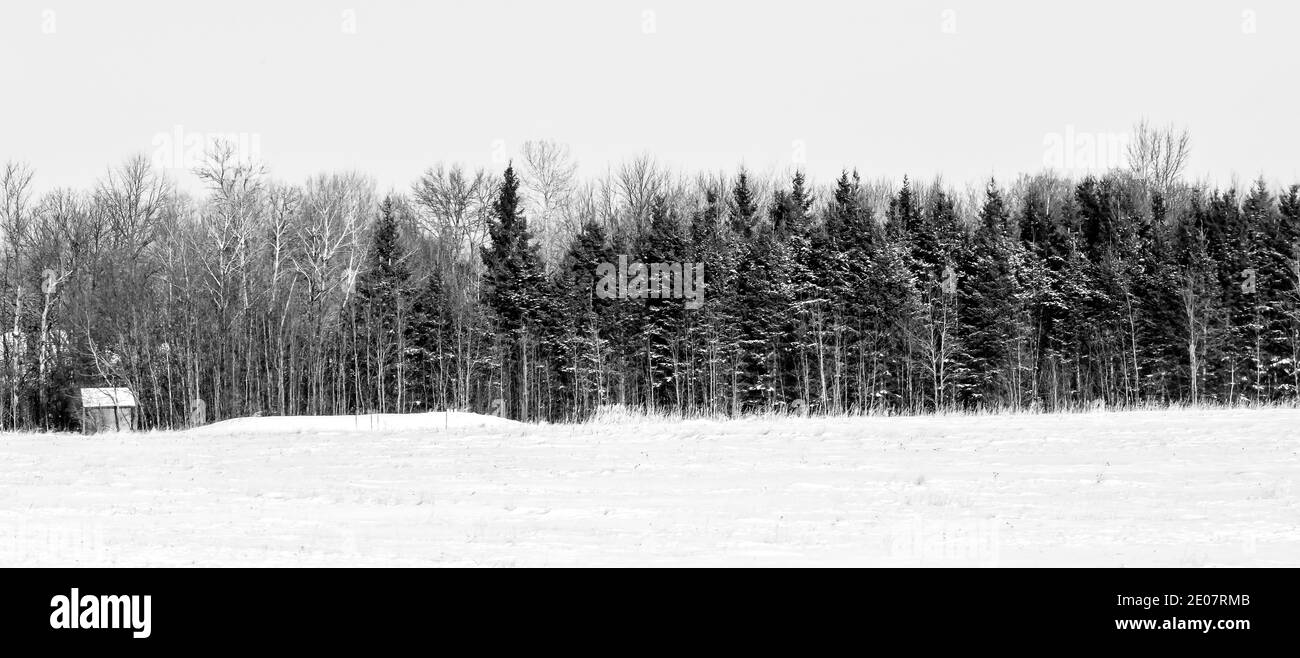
pixel 963 88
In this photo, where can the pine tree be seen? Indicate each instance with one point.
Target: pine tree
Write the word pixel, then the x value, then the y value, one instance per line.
pixel 431 337
pixel 661 315
pixel 384 295
pixel 993 316
pixel 758 303
pixel 904 215
pixel 713 327
pixel 1285 253
pixel 1231 248
pixel 582 363
pixel 938 247
pixel 1267 261
pixel 798 299
pixel 743 207
pixel 514 289
pixel 1157 291
pixel 844 255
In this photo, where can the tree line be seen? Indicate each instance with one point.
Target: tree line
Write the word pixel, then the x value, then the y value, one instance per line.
pixel 476 291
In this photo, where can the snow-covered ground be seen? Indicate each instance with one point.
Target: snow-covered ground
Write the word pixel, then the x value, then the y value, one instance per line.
pixel 1177 488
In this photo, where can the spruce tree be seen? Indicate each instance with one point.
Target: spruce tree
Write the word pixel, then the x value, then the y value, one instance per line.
pixel 431 338
pixel 384 295
pixel 514 289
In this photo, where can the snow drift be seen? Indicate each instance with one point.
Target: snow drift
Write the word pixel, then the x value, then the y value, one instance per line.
pixel 431 421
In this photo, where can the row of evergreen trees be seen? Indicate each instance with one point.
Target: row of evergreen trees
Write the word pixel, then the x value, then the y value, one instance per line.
pixel 1112 293
pixel 1044 294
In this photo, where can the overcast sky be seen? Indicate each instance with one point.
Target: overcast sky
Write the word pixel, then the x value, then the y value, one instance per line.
pixel 967 89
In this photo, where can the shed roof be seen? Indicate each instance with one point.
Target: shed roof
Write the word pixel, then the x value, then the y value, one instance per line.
pixel 92 398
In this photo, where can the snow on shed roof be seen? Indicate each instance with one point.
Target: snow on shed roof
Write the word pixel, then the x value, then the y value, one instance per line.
pixel 92 398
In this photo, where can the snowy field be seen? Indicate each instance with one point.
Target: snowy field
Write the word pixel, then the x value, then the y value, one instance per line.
pixel 1179 488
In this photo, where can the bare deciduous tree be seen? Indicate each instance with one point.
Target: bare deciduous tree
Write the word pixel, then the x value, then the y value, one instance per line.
pixel 1158 155
pixel 15 221
pixel 549 175
pixel 639 181
pixel 131 200
pixel 452 206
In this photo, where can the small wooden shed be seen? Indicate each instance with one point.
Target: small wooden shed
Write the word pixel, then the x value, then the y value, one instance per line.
pixel 107 410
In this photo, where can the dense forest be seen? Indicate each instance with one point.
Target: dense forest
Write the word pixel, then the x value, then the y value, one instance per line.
pixel 473 290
